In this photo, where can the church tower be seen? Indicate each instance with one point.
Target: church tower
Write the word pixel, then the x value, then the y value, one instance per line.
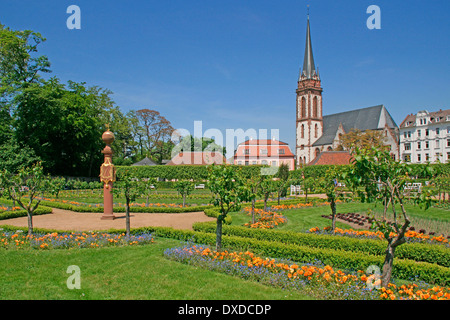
pixel 309 107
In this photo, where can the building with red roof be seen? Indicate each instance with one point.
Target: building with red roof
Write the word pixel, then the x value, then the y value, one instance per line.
pixel 264 152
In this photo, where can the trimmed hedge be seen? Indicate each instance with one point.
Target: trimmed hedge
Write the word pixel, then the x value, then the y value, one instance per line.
pixel 194 172
pixel 23 213
pixel 214 213
pixel 437 254
pixel 67 206
pixel 417 169
pixel 346 260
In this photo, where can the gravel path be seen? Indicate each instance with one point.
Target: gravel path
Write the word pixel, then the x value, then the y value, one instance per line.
pixel 76 221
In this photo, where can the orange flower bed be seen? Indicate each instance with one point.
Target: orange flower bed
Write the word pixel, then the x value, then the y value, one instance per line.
pixel 379 234
pixel 322 276
pixel 291 206
pixel 266 219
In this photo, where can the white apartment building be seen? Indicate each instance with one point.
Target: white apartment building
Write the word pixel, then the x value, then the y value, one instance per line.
pixel 425 137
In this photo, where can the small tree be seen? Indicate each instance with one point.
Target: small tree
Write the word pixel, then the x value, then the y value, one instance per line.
pixel 147 185
pixel 266 187
pixel 384 179
pixel 129 187
pixel 280 187
pixel 58 184
pixel 184 187
pixel 329 183
pixel 24 187
pixel 228 187
pixel 308 184
pixel 283 182
pixel 252 184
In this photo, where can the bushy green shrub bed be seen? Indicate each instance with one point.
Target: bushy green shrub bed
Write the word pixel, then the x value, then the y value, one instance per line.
pixel 438 254
pixel 214 213
pixel 23 213
pixel 346 260
pixel 162 209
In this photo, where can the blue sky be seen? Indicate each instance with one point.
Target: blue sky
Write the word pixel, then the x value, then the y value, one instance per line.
pixel 235 64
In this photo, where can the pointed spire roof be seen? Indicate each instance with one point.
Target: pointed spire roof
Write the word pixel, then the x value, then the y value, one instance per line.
pixel 309 69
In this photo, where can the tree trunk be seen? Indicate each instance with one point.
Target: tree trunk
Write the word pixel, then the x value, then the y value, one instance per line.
pixel 387 265
pixel 219 233
pixel 127 218
pixel 184 200
pixel 253 210
pixel 333 214
pixel 30 222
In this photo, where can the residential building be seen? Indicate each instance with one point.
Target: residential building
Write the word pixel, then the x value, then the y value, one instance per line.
pixel 425 137
pixel 264 152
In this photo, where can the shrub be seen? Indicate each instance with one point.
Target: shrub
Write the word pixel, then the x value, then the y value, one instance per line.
pixel 23 213
pixel 414 251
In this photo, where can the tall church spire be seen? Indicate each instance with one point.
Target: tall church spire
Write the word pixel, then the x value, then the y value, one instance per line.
pixel 309 69
pixel 309 107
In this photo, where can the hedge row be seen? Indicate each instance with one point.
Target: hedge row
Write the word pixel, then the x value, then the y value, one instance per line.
pixel 438 254
pixel 345 260
pixel 194 172
pixel 214 213
pixel 76 208
pixel 416 168
pixel 23 213
pixel 200 172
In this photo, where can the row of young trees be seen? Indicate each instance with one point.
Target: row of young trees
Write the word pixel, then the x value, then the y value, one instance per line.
pixel 374 175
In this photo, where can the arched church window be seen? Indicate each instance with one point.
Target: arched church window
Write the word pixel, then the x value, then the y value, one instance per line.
pixel 303 107
pixel 315 108
pixel 303 131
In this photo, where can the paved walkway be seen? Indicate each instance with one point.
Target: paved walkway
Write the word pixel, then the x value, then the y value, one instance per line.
pixel 76 221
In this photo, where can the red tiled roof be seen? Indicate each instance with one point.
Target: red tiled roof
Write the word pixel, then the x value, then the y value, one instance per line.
pixel 332 158
pixel 271 147
pixel 197 158
pixel 263 142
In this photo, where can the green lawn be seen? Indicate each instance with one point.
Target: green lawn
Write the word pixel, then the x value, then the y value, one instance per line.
pixel 142 272
pixel 300 220
pixel 122 273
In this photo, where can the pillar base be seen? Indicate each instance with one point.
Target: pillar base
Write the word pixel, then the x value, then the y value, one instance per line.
pixel 108 217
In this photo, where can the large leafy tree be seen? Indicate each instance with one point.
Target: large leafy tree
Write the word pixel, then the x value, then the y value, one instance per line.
pixel 155 133
pixel 20 66
pixel 61 125
pixel 357 139
pixel 190 143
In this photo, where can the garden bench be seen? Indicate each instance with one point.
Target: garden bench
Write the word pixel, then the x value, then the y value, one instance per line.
pixel 296 190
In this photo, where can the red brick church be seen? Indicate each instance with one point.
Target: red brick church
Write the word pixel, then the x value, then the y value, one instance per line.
pixel 316 133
